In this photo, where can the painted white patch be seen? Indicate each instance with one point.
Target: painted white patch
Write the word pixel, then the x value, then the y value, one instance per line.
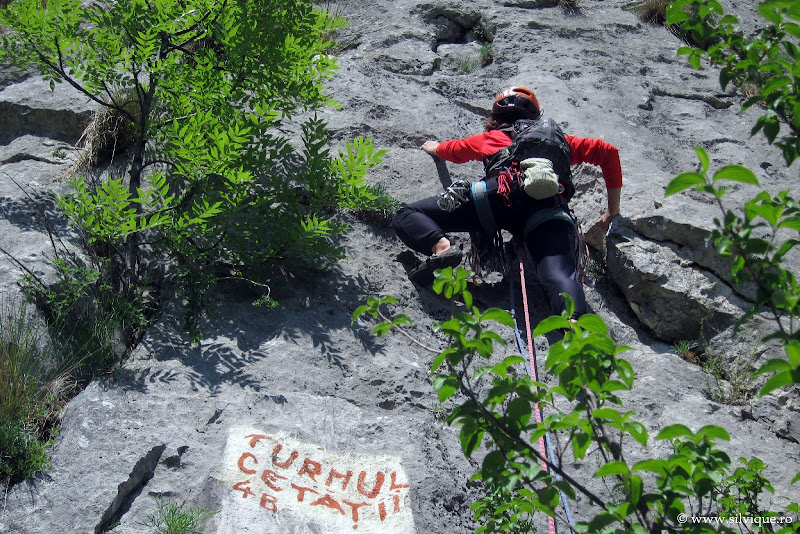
pixel 279 483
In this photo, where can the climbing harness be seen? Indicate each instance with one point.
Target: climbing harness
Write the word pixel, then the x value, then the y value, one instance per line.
pixel 545 443
pixel 579 239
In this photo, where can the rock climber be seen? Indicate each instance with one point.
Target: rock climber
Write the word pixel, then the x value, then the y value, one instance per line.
pixel 544 224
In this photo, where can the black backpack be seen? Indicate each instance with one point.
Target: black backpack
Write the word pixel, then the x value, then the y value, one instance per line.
pixel 541 138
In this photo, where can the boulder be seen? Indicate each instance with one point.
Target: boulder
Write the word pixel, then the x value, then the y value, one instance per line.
pixel 31 107
pixel 667 291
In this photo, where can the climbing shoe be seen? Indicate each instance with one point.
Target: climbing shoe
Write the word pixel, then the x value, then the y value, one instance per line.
pixel 423 274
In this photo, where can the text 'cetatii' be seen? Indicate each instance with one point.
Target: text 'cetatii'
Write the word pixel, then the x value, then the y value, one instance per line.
pixel 278 475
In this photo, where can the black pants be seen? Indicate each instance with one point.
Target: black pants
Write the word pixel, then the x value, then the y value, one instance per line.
pixel 551 244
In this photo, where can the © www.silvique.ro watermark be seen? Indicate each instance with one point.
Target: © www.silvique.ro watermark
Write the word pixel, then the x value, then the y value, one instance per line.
pixel 735 519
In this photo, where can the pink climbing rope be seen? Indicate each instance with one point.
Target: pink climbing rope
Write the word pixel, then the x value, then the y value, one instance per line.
pixel 550 521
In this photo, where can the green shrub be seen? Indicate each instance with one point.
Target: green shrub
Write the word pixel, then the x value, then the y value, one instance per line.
pixel 379 207
pixel 206 91
pixel 21 453
pixel 767 61
pixel 498 401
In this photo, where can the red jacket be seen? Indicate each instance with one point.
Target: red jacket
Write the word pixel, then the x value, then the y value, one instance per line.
pixel 582 150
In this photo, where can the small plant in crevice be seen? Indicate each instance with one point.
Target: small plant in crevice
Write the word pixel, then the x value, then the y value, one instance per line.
pixel 173 518
pixel 439 411
pixel 487 56
pixel 652 11
pixel 466 64
pixel 685 350
pixel 22 452
pixel 729 383
pixel 377 207
pixel 571 6
pixel 596 269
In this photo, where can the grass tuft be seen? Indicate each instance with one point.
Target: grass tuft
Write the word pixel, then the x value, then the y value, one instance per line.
pixel 466 64
pixel 486 54
pixel 571 6
pixel 173 518
pixel 685 349
pixel 34 382
pixel 109 133
pixel 653 11
pixel 731 384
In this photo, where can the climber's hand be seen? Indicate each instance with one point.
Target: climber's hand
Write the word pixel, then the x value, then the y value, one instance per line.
pixel 430 147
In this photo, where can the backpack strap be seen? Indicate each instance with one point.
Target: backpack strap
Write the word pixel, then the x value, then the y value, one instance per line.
pixel 482 207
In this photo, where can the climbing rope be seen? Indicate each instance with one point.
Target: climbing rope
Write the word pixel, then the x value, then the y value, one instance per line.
pixel 531 367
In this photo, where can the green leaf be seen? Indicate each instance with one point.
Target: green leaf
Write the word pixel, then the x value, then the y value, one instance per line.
pixel 676 13
pixel 614 385
pixel 438 361
pixel 793 29
pixel 656 466
pixel 713 432
pixel 592 323
pixel 499 316
pixel 771 129
pixel 736 173
pixel 493 464
pixel 684 181
pixel 625 371
pixel 770 13
pixel 773 365
pixel 636 486
pixel 601 521
pixel 793 223
pixel 549 324
pixel 611 469
pixel 777 381
pixel 381 329
pixel 607 413
pixel 703 155
pixel 445 386
pixel 519 411
pixel 638 432
pixel 467 296
pixel 471 437
pixel 674 431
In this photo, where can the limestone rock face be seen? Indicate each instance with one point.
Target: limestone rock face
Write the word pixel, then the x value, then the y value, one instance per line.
pixel 666 289
pixel 30 107
pixel 288 420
